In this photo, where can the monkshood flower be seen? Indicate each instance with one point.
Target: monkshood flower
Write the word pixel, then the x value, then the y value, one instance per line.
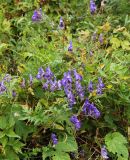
pixel 92 7
pixel 67 84
pixel 2 87
pixel 13 93
pixel 40 73
pixel 90 110
pixel 90 86
pixel 30 80
pixel 70 47
pixel 104 153
pixel 78 77
pixel 100 86
pixel 54 138
pixel 59 84
pixel 61 24
pixel 76 122
pixel 45 85
pixel 101 38
pixel 48 74
pixel 79 88
pixel 23 83
pixel 53 85
pixel 37 15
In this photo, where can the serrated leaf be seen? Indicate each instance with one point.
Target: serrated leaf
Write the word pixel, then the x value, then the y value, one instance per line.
pixel 115 43
pixel 69 145
pixel 116 143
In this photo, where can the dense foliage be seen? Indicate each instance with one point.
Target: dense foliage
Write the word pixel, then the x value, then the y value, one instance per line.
pixel 64 79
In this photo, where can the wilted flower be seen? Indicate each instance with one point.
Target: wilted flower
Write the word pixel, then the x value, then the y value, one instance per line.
pixel 7 78
pixel 104 153
pixel 101 38
pixel 92 7
pixel 91 53
pixel 76 122
pixel 2 87
pixel 90 109
pixel 23 83
pixel 30 79
pixel 90 86
pixel 40 73
pixel 94 36
pixel 37 15
pixel 61 24
pixel 54 139
pixel 70 47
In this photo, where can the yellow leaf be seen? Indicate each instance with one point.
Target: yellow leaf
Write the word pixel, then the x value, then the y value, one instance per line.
pixel 30 90
pixel 57 126
pixel 109 86
pixel 101 66
pixel 106 27
pixel 115 43
pixel 125 45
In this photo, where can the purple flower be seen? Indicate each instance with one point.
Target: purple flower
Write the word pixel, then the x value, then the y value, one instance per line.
pixel 59 84
pixel 92 7
pixel 45 85
pixel 70 47
pixel 79 90
pixel 67 79
pixel 90 110
pixel 54 139
pixel 61 24
pixel 71 99
pixel 13 93
pixel 48 74
pixel 37 15
pixel 104 153
pixel 40 73
pixel 53 85
pixel 90 86
pixel 2 87
pixel 23 83
pixel 101 38
pixel 100 86
pixel 30 80
pixel 76 122
pixel 78 77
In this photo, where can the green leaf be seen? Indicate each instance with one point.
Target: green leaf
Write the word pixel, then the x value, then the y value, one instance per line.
pixel 69 145
pixel 11 133
pixel 116 143
pixel 4 141
pixel 2 134
pixel 61 156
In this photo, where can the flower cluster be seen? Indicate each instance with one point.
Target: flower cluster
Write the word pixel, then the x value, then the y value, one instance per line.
pixel 90 110
pixel 70 47
pixel 76 122
pixel 67 84
pixel 92 7
pixel 79 88
pixel 100 86
pixel 37 15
